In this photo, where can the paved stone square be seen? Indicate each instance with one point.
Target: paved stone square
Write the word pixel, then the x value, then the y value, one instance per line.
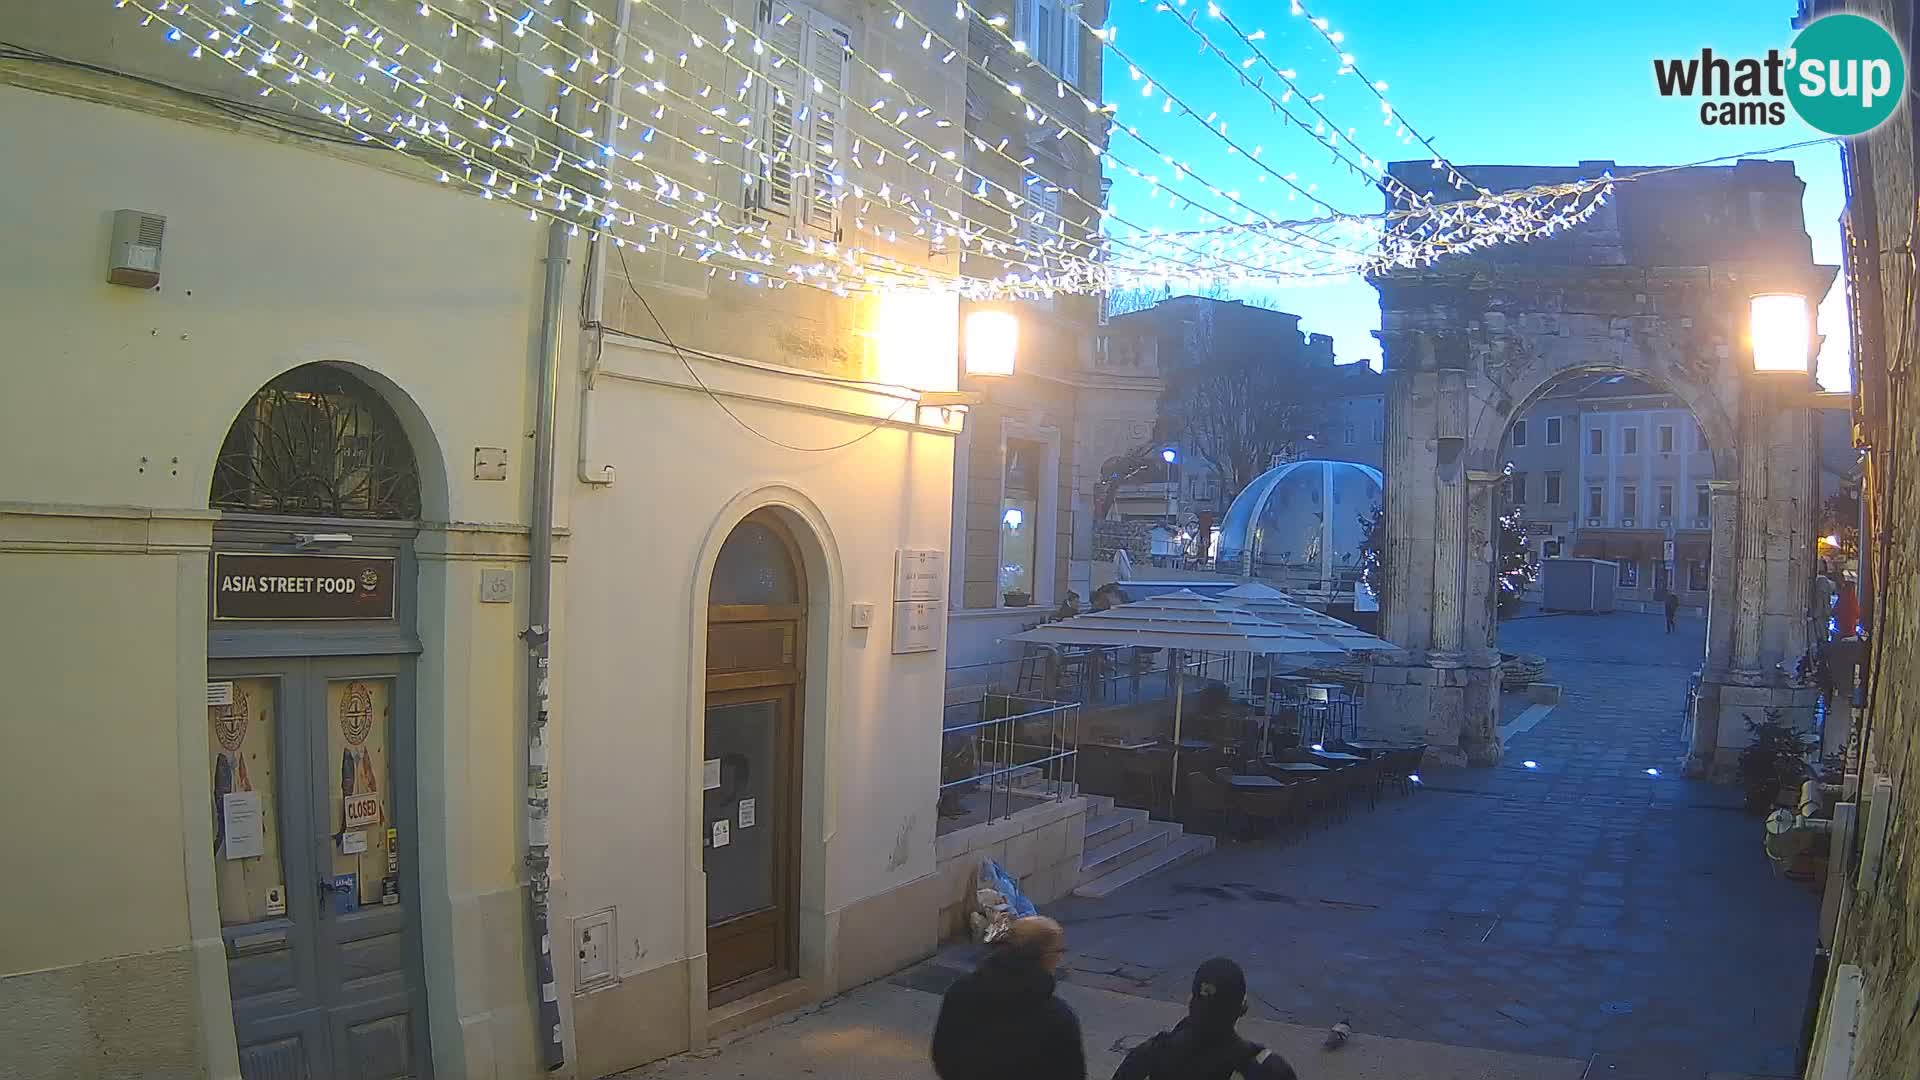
pixel 1582 920
pixel 1580 909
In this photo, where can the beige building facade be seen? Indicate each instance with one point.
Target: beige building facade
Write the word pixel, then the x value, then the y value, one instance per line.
pixel 296 834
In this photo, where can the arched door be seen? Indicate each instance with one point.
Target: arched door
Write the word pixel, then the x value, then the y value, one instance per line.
pixel 756 657
pixel 311 733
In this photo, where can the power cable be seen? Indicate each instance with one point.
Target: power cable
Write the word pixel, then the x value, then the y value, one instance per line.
pixel 667 338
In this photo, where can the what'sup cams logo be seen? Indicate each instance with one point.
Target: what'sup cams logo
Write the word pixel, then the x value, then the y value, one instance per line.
pixel 1843 74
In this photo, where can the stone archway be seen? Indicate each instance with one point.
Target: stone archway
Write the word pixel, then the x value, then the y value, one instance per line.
pixel 1471 341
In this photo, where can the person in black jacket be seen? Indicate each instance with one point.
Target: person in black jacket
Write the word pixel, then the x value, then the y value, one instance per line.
pixel 1205 1045
pixel 1002 1022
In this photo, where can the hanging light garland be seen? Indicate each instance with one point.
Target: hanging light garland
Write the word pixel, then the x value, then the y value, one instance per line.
pixel 393 89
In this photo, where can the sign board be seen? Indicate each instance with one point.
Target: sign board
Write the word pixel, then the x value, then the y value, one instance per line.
pixel 916 626
pixel 1667 553
pixel 919 574
pixel 302 588
pixel 360 810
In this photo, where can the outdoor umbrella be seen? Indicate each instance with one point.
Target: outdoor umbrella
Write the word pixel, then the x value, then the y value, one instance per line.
pixel 1275 606
pixel 1181 621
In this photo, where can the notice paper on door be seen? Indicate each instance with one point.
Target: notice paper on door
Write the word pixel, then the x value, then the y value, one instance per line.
pixel 722 833
pixel 746 813
pixel 240 811
pixel 353 843
pixel 710 774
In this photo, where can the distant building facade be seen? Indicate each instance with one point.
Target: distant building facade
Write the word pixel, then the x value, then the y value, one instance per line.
pixel 1176 336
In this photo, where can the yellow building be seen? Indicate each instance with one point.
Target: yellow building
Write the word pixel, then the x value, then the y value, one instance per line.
pixel 269 451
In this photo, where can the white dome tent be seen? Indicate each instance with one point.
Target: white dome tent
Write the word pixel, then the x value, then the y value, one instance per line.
pixel 1299 526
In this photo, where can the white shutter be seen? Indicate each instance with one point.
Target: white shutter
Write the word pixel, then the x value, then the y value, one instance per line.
pixel 781 155
pixel 1070 44
pixel 828 45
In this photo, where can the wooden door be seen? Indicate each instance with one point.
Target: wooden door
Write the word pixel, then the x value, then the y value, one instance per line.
pixel 312 811
pixel 751 779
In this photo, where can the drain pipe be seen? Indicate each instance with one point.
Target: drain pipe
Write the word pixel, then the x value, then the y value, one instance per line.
pixel 538 636
pixel 601 476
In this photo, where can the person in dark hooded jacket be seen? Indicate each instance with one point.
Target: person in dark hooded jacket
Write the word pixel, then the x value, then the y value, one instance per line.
pixel 1205 1045
pixel 1003 1022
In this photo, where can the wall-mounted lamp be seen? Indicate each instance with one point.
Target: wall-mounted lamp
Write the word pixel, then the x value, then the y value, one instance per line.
pixel 1781 329
pixel 304 541
pixel 991 339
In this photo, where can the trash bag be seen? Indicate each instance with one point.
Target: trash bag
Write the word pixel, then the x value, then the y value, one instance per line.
pixel 997 902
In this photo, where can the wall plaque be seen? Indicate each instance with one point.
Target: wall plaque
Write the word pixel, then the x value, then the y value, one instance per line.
pixel 303 587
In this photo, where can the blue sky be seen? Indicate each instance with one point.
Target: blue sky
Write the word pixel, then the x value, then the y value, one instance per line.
pixel 1488 81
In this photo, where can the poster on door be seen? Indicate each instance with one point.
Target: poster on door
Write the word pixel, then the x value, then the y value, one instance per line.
pixel 359 741
pixel 241 730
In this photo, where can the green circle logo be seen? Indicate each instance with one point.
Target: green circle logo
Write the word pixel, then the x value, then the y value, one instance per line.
pixel 1848 74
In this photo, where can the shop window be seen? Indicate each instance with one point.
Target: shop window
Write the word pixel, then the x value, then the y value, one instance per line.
pixel 1020 522
pixel 247 871
pixel 1697 575
pixel 317 442
pixel 1629 574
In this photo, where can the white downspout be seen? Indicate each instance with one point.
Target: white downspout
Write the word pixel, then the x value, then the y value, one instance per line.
pixel 584 470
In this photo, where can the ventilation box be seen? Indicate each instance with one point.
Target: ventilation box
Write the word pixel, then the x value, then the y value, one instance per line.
pixel 134 259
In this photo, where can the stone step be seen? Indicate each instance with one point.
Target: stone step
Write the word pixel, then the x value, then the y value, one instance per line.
pixel 1172 854
pixel 1099 804
pixel 1142 840
pixel 1110 824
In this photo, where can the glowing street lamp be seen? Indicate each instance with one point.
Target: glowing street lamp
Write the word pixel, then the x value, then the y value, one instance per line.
pixel 1169 457
pixel 991 339
pixel 1781 328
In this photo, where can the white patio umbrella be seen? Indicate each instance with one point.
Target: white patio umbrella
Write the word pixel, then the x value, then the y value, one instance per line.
pixel 1275 606
pixel 1181 621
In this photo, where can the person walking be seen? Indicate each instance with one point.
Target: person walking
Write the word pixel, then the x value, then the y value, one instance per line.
pixel 1003 1021
pixel 1673 609
pixel 1205 1045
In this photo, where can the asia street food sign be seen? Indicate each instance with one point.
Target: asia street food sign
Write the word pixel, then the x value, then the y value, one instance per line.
pixel 302 587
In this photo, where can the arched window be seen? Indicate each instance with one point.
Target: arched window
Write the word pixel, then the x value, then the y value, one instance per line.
pixel 756 567
pixel 317 442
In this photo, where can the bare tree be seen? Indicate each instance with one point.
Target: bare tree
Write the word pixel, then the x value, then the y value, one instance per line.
pixel 1241 404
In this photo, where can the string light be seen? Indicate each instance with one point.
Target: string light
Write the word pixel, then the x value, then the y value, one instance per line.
pixel 393 90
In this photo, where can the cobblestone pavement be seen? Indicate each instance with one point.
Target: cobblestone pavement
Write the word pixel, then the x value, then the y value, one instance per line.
pixel 1581 909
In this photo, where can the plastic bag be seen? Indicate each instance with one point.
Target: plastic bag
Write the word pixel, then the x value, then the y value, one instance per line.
pixel 999 901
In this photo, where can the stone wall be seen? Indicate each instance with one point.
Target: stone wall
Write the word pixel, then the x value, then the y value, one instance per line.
pixel 1879 932
pixel 1112 536
pixel 1040 847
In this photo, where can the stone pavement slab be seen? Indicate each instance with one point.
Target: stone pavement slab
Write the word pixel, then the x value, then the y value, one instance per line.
pixel 1582 909
pixel 881 1032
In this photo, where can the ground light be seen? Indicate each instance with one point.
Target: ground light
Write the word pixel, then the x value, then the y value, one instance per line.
pixel 1413 777
pixel 1531 764
pixel 1653 772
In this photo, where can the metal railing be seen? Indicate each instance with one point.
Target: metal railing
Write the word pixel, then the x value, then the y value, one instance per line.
pixel 1014 749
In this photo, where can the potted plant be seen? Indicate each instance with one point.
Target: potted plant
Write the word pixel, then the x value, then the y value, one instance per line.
pixel 1017 598
pixel 1775 764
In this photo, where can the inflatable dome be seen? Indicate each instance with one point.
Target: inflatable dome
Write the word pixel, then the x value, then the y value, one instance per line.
pixel 1298 526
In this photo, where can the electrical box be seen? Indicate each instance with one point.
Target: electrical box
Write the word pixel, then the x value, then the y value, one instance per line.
pixel 489 463
pixel 134 259
pixel 593 946
pixel 862 616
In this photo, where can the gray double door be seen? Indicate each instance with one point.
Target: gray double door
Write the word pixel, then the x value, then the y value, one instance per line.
pixel 315 839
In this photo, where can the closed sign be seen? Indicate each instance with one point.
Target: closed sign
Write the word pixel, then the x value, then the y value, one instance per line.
pixel 362 810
